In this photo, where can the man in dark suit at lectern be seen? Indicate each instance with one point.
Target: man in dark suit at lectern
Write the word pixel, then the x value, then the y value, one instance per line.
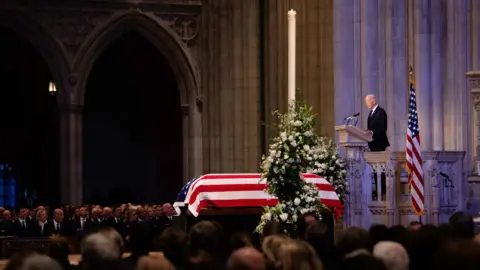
pixel 376 125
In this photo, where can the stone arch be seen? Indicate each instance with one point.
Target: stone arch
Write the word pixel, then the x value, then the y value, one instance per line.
pixel 44 42
pixel 154 30
pixel 170 46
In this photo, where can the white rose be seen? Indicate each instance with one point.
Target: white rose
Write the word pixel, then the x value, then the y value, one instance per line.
pixel 297 123
pixel 306 147
pixel 296 201
pixel 331 168
pixel 291 138
pixel 294 217
pixel 306 187
pixel 267 216
pixel 284 216
pixel 293 143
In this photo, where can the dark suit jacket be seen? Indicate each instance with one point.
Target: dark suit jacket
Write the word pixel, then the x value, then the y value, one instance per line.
pixel 49 228
pixel 377 123
pixel 20 231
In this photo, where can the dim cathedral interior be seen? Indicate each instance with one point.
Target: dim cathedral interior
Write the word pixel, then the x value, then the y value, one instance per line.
pixel 149 94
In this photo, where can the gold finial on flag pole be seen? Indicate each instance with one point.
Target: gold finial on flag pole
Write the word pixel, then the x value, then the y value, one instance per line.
pixel 410 72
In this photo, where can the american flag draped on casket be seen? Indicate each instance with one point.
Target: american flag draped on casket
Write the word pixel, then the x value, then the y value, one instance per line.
pixel 241 190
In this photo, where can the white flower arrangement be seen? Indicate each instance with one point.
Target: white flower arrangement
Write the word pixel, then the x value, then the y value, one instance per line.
pixel 299 150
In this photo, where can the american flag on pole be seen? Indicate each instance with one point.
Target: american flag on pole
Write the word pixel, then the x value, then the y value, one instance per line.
pixel 242 190
pixel 414 155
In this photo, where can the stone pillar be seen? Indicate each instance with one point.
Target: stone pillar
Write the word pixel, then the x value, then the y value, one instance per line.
pixel 71 162
pixel 436 60
pixel 231 86
pixel 346 55
pixel 422 70
pixel 369 50
pixel 396 72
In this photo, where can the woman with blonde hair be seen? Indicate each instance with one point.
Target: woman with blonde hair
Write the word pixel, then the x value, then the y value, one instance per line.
pixel 271 248
pixel 297 255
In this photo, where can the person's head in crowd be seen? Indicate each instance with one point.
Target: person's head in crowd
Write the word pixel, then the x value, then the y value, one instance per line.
pixel 423 244
pixel 398 234
pixel 392 254
pixel 107 213
pixel 414 226
pixel 82 211
pixel 240 240
pixel 302 224
pixel 40 262
pixel 115 237
pixel 246 258
pixel 99 252
pixel 117 212
pixel 378 232
pixel 353 239
pixel 460 253
pixel 21 213
pixel 173 243
pixel 361 262
pixel 41 216
pixel 131 215
pixel 273 227
pixel 271 248
pixel 17 259
pixel 205 236
pixel 168 209
pixel 7 215
pixel 317 235
pixel 297 254
pixel 58 249
pixel 158 210
pixel 154 263
pixel 141 213
pixel 463 225
pixel 58 215
pixel 141 239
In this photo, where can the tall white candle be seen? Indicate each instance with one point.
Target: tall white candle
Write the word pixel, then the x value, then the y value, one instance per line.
pixel 291 55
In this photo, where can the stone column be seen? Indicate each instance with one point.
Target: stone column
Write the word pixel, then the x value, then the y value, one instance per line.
pixel 436 61
pixel 396 72
pixel 422 70
pixel 369 49
pixel 345 56
pixel 231 86
pixel 71 162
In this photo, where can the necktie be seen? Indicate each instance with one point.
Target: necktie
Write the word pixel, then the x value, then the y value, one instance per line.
pixel 23 224
pixel 58 227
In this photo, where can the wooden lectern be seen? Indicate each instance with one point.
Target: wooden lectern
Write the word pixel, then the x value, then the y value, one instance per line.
pixel 352 136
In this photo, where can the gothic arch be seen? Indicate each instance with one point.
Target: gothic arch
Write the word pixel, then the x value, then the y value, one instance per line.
pixel 153 29
pixel 49 48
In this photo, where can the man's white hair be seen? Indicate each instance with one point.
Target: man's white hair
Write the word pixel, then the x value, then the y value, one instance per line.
pixel 392 254
pixel 100 246
pixel 40 262
pixel 371 96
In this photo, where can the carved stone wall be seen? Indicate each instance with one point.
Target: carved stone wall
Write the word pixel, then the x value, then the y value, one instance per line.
pixel 71 35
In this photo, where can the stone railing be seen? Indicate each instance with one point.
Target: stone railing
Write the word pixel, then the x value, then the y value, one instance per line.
pixel 379 189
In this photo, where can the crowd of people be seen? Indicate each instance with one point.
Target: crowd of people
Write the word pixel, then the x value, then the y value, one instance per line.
pixel 205 246
pixel 78 221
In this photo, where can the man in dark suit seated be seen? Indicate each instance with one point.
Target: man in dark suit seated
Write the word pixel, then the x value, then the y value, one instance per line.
pixel 376 125
pixel 116 221
pixel 56 226
pixel 22 227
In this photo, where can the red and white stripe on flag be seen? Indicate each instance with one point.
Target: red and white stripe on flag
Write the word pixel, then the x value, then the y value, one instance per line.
pixel 245 190
pixel 414 156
